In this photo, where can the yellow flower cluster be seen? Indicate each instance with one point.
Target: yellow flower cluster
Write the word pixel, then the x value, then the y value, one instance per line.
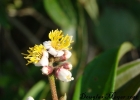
pixel 35 54
pixel 59 41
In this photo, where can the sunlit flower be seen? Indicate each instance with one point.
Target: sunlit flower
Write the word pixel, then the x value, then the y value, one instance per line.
pixel 58 43
pixel 64 75
pixel 37 55
pixel 30 98
pixel 46 70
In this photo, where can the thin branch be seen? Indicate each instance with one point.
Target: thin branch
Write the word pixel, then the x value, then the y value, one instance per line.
pixel 38 16
pixel 15 50
pixel 24 30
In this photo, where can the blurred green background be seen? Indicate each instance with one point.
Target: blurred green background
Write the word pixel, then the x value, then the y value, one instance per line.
pixel 96 26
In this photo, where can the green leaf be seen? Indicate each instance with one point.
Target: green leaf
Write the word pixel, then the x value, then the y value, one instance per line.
pixel 5 80
pixel 116 26
pixel 35 90
pixel 77 89
pixel 126 72
pixel 99 75
pixel 91 7
pixel 58 14
pixel 130 88
pixel 125 47
pixel 3 17
pixel 44 92
pixel 63 14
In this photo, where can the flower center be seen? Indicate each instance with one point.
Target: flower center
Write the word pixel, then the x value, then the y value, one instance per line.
pixel 35 54
pixel 59 41
pixel 68 77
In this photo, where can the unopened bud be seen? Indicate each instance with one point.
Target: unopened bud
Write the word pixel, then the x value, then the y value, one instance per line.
pixel 63 75
pixel 46 70
pixel 66 65
pixel 67 54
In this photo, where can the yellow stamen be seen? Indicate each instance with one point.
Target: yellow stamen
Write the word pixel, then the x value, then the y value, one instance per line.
pixel 68 77
pixel 35 54
pixel 59 41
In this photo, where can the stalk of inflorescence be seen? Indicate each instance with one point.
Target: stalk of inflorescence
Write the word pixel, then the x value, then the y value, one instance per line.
pixel 52 82
pixel 53 87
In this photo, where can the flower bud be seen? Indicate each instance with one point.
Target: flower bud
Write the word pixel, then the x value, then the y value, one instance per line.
pixel 46 70
pixel 66 65
pixel 30 98
pixel 63 74
pixel 67 54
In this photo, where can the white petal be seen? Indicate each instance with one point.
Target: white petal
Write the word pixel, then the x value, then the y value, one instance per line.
pixel 67 54
pixel 47 44
pixel 65 75
pixel 45 54
pixel 59 53
pixel 44 60
pixel 56 53
pixel 30 98
pixel 47 70
pixel 44 70
pixel 52 51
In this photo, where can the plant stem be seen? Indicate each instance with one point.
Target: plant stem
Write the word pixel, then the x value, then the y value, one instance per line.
pixel 52 81
pixel 53 87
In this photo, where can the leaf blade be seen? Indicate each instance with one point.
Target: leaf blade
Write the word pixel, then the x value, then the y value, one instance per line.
pixel 34 91
pixel 100 73
pixel 126 72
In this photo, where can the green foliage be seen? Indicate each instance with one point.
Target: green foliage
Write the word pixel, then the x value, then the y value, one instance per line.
pixel 68 23
pixel 130 88
pixel 3 15
pixel 100 74
pixel 126 72
pixel 77 91
pixel 128 78
pixel 36 89
pixel 116 26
